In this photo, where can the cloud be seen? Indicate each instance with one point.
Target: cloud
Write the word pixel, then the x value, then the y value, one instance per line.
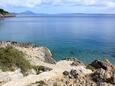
pixel 96 3
pixel 20 3
pixel 110 4
pixel 35 3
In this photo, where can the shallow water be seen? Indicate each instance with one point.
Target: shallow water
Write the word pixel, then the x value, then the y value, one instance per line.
pixel 84 37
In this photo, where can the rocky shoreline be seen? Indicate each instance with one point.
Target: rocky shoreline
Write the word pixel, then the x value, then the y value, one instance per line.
pixel 4 14
pixel 8 15
pixel 68 72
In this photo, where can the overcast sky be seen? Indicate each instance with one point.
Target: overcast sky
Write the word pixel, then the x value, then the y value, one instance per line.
pixel 59 6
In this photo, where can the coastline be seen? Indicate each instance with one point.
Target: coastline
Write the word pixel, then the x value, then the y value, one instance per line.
pixel 69 71
pixel 8 15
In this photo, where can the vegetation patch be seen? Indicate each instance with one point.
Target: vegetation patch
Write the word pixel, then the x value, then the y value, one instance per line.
pixel 3 12
pixel 90 67
pixel 11 58
pixel 41 83
pixel 40 69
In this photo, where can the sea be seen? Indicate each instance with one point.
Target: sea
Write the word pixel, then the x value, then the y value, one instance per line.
pixel 83 37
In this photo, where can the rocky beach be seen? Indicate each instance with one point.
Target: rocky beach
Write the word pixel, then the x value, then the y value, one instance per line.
pixel 45 71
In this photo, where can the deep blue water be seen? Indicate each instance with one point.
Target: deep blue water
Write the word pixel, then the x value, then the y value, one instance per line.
pixel 84 37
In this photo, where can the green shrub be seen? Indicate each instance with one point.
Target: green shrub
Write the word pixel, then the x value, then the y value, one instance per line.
pixel 3 11
pixel 39 69
pixel 10 58
pixel 40 83
pixel 90 67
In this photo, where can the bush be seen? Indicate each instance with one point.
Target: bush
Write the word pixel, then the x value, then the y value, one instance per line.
pixel 3 11
pixel 40 69
pixel 10 58
pixel 90 67
pixel 40 83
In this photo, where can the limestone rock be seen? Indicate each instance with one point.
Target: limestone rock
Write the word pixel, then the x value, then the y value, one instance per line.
pixel 75 62
pixel 106 65
pixel 8 76
pixel 104 72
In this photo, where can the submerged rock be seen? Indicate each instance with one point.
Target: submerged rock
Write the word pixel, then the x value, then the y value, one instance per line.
pixel 110 52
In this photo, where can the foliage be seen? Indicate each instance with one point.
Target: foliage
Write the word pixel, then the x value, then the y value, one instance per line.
pixel 90 67
pixel 3 11
pixel 39 69
pixel 10 58
pixel 40 83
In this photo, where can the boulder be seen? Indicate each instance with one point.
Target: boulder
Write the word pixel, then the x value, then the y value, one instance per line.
pixel 106 65
pixel 73 73
pixel 113 78
pixel 48 55
pixel 99 75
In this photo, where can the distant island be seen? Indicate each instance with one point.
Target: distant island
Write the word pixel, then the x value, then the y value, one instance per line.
pixel 31 13
pixel 4 13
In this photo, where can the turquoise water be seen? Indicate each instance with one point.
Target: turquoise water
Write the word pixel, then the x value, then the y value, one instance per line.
pixel 84 37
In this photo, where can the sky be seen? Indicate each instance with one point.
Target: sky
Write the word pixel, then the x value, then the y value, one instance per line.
pixel 59 6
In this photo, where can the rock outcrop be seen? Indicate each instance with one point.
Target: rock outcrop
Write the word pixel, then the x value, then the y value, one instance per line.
pixel 8 76
pixel 4 13
pixel 105 71
pixel 48 72
pixel 34 53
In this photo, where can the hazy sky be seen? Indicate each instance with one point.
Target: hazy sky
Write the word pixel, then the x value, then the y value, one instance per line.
pixel 59 6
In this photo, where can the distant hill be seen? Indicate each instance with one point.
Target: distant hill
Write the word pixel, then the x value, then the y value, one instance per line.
pixel 30 13
pixel 27 13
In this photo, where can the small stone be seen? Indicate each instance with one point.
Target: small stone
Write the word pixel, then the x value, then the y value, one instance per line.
pixel 65 73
